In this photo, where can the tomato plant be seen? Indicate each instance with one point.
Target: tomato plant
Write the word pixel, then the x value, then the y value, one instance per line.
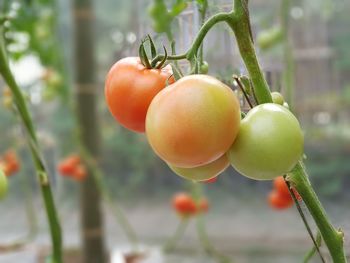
pixel 269 143
pixel 130 88
pixel 3 185
pixel 203 172
pixel 193 122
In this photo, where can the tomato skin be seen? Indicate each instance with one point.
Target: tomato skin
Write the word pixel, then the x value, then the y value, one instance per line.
pixel 3 185
pixel 184 204
pixel 193 122
pixel 278 201
pixel 269 143
pixel 130 88
pixel 204 172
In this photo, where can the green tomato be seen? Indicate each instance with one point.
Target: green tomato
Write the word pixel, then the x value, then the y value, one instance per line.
pixel 277 98
pixel 269 38
pixel 3 185
pixel 204 68
pixel 269 143
pixel 204 172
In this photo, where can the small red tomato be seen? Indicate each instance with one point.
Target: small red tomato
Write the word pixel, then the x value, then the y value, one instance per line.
pixel 184 204
pixel 79 173
pixel 130 88
pixel 203 205
pixel 278 201
pixel 68 165
pixel 282 188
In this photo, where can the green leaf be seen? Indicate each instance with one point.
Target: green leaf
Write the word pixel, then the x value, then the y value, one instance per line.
pixel 178 7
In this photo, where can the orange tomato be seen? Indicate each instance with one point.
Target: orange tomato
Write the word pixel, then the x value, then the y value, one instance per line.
pixel 130 88
pixel 79 172
pixel 184 204
pixel 193 122
pixel 68 165
pixel 278 201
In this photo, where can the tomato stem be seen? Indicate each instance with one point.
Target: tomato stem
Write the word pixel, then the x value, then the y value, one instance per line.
pixel 179 232
pixel 26 119
pixel 332 237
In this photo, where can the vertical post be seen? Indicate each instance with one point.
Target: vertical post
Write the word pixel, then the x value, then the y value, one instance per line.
pixel 85 79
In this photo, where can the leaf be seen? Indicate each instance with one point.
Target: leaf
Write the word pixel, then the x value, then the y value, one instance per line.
pixel 178 7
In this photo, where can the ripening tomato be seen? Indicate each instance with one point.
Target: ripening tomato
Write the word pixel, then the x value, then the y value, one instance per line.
pixel 278 201
pixel 204 172
pixel 3 185
pixel 193 122
pixel 184 204
pixel 130 88
pixel 282 188
pixel 269 143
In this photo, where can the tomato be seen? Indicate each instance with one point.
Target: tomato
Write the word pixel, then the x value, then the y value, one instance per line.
pixel 203 205
pixel 204 68
pixel 10 163
pixel 277 98
pixel 278 201
pixel 68 165
pixel 193 122
pixel 269 143
pixel 184 204
pixel 268 38
pixel 282 188
pixel 211 180
pixel 204 172
pixel 3 185
pixel 79 172
pixel 130 88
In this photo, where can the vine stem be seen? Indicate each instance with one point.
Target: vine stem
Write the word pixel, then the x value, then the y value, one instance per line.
pixel 51 212
pixel 179 232
pixel 332 237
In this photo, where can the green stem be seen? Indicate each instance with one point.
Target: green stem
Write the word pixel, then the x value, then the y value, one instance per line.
pixel 241 27
pixel 25 117
pixel 332 237
pixel 179 232
pixel 313 250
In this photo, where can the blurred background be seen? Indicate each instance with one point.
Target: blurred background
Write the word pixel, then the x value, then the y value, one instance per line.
pixel 60 53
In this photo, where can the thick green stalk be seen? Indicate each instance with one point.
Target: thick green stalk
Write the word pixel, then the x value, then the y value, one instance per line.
pixel 332 237
pixel 25 117
pixel 241 27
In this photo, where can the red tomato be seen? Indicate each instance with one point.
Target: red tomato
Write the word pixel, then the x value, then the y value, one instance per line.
pixel 79 172
pixel 10 163
pixel 278 201
pixel 68 165
pixel 130 88
pixel 193 122
pixel 184 204
pixel 282 188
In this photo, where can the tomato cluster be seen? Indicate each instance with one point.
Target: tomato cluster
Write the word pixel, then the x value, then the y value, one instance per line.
pixel 280 198
pixel 194 124
pixel 186 206
pixel 9 163
pixel 72 167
